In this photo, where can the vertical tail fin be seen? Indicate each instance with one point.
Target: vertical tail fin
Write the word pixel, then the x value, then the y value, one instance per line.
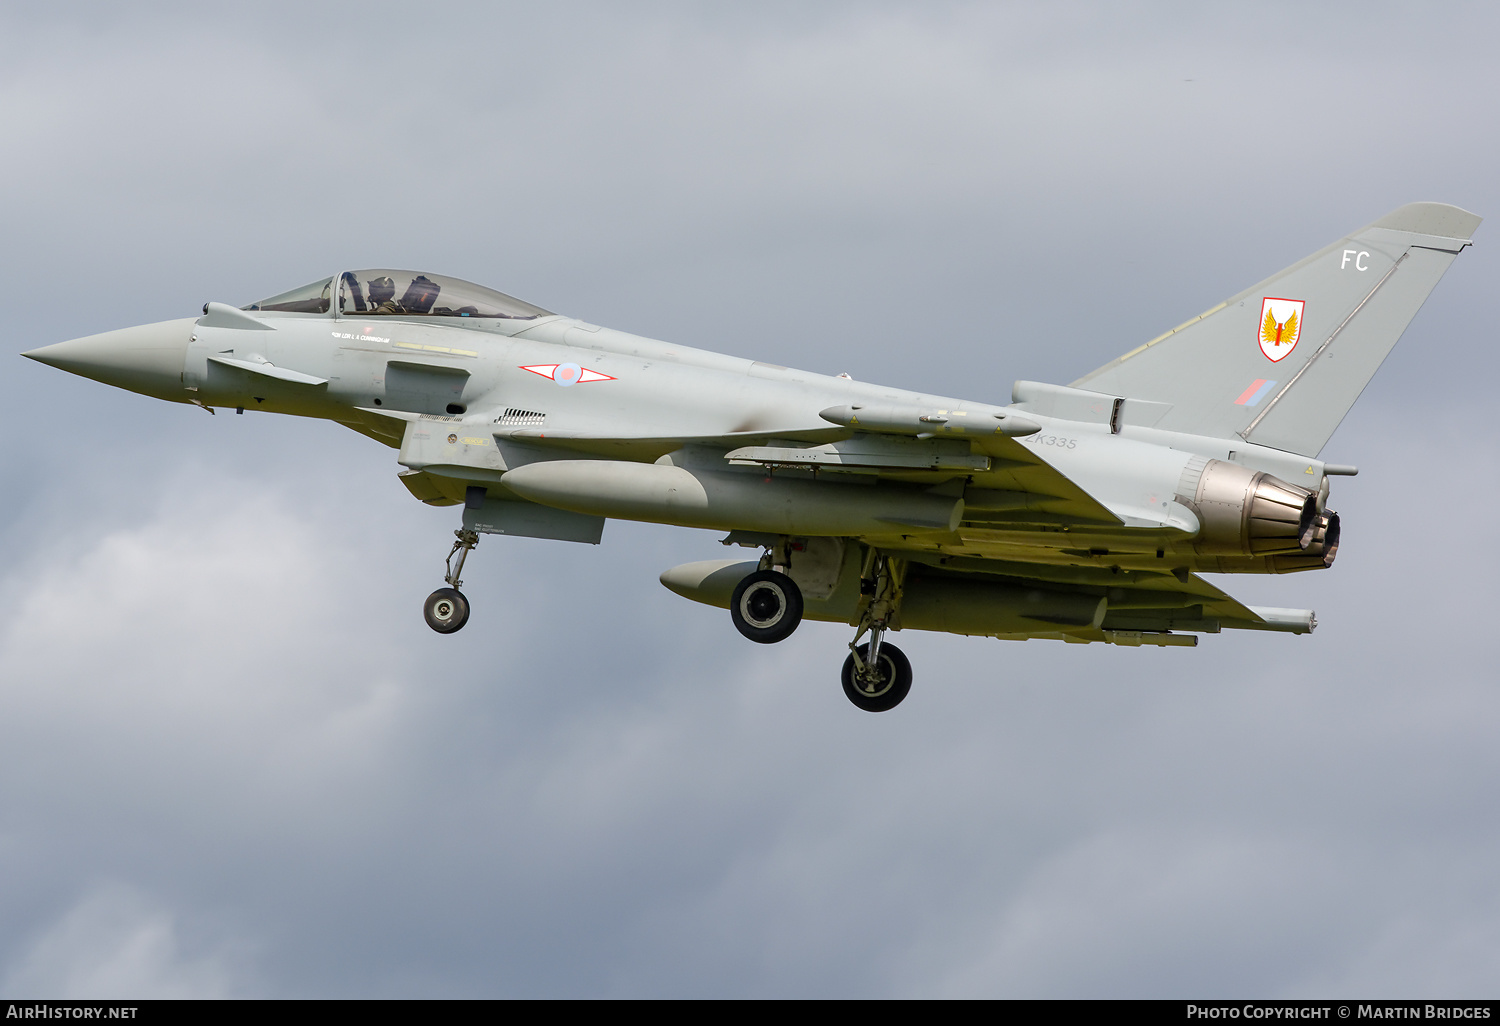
pixel 1281 363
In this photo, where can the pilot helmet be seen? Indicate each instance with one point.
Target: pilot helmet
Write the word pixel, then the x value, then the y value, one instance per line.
pixel 382 290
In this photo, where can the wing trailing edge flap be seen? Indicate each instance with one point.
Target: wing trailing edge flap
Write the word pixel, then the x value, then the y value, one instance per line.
pixel 1138 600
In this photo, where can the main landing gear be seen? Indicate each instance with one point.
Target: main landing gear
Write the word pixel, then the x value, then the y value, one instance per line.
pixel 767 606
pixel 876 680
pixel 877 675
pixel 446 610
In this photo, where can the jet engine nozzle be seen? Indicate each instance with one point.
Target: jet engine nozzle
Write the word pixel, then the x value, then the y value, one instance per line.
pixel 1249 512
pixel 1322 543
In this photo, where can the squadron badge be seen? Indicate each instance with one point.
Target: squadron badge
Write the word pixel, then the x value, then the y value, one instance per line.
pixel 1280 327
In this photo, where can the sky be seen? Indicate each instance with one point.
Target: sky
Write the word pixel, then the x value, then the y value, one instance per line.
pixel 235 762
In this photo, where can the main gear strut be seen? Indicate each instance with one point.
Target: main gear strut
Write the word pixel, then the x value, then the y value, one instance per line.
pixel 877 675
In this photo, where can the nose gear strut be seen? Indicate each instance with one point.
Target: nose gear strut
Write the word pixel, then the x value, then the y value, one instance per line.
pixel 446 610
pixel 466 541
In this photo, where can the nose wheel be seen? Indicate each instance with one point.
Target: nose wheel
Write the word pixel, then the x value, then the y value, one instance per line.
pixel 446 610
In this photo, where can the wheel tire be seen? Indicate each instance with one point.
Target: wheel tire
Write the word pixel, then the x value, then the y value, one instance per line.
pixel 766 606
pixel 889 690
pixel 446 610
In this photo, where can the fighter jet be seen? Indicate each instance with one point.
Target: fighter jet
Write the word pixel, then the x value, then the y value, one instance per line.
pixel 1078 513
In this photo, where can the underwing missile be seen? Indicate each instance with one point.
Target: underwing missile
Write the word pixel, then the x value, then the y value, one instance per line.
pixel 912 420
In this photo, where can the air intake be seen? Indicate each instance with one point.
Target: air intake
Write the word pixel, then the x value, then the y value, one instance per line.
pixel 519 418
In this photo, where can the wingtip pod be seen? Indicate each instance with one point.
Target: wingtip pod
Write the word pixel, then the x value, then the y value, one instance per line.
pixel 1439 219
pixel 1292 621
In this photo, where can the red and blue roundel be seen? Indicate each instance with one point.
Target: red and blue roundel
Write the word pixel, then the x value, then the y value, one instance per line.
pixel 566 374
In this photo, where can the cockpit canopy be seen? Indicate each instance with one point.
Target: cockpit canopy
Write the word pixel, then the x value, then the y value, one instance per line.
pixel 381 292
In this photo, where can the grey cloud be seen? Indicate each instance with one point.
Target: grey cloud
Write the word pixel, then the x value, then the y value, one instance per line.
pixel 234 761
pixel 113 941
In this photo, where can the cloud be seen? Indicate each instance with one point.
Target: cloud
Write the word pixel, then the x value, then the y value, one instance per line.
pixel 233 760
pixel 597 789
pixel 114 942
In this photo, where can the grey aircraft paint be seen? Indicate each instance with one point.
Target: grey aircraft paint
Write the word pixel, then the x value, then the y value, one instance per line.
pixel 1080 513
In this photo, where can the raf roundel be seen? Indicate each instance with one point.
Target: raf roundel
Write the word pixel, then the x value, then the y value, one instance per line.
pixel 566 374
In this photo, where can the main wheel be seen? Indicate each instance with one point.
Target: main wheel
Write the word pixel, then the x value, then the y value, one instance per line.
pixel 885 687
pixel 766 606
pixel 446 610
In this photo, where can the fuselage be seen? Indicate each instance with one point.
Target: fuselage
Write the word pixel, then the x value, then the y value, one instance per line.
pixel 633 398
pixel 962 516
pixel 1080 513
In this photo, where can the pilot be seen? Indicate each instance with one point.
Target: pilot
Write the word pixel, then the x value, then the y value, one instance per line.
pixel 383 296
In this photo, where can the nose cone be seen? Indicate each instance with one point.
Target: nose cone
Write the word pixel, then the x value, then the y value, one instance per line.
pixel 147 359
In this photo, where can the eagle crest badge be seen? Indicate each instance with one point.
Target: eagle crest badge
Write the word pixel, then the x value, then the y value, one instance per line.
pixel 1280 327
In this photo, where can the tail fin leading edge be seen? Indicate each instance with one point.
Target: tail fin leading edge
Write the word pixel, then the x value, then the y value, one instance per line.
pixel 1281 363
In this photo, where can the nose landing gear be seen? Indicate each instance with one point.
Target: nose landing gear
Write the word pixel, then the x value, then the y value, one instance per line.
pixel 446 610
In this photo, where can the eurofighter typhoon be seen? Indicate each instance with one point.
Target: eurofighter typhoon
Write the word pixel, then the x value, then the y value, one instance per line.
pixel 1079 513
